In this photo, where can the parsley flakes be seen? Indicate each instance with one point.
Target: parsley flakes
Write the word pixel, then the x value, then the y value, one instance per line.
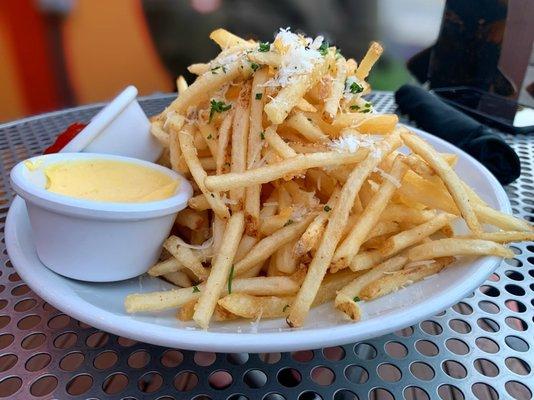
pixel 285 308
pixel 254 66
pixel 289 222
pixel 218 107
pixel 355 88
pixel 230 277
pixel 196 289
pixel 259 96
pixel 327 208
pixel 356 299
pixel 262 135
pixel 264 46
pixel 323 49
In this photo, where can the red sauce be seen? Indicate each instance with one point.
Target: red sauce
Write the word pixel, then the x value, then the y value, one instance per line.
pixel 65 137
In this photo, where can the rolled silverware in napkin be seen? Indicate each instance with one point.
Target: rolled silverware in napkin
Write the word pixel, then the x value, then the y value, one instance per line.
pixel 438 118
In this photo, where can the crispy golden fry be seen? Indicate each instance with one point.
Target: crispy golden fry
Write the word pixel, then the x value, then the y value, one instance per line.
pixel 373 54
pixel 165 267
pixel 198 68
pixel 220 270
pixel 240 131
pixel 199 175
pixel 501 220
pixel 227 39
pixel 185 313
pixel 306 127
pixel 254 146
pixel 223 140
pixel 458 247
pixel 278 144
pixel 191 219
pixel 369 217
pixel 268 245
pixel 288 97
pixel 503 236
pixel 383 228
pixel 199 203
pixel 210 136
pixel 399 279
pixel 403 214
pixel 156 129
pixel 336 223
pixel 449 177
pixel 366 123
pixel 347 298
pixel 185 257
pixel 248 306
pixel 218 228
pixel 181 84
pixel 304 105
pixel 178 278
pixel 275 222
pixel 269 58
pixel 276 171
pixel 331 104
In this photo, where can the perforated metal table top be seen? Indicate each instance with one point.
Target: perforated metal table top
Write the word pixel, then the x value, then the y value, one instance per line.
pixel 483 347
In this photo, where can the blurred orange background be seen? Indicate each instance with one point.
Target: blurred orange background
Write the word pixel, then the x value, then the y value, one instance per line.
pixel 89 40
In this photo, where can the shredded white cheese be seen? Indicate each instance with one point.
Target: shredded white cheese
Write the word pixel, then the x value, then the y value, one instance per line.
pixel 299 56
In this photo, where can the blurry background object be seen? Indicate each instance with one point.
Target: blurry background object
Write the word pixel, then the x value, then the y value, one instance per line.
pixel 60 53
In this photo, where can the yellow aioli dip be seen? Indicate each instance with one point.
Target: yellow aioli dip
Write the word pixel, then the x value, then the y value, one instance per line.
pixel 107 180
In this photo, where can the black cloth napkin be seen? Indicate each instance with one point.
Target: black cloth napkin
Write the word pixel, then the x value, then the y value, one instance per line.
pixel 442 120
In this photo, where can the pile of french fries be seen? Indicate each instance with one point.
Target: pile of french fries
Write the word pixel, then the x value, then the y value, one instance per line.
pixel 301 194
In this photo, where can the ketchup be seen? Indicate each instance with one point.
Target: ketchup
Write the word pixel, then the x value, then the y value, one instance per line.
pixel 65 137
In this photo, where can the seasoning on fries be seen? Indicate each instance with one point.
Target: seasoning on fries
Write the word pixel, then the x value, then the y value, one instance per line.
pixel 297 178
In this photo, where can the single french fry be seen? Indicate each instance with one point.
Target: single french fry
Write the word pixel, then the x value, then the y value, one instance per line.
pixel 269 58
pixel 365 260
pixel 336 224
pixel 204 85
pixel 377 124
pixel 276 171
pixel 178 278
pixel 209 135
pixel 275 222
pixel 181 84
pixel 223 139
pixel 186 312
pixel 248 306
pixel 185 257
pixel 457 247
pixel 416 189
pixel 369 217
pixel 268 245
pixel 501 220
pixel 304 105
pixel 280 106
pixel 404 214
pixel 331 105
pixel 347 298
pixel 449 177
pixel 383 228
pixel 399 279
pixel 156 129
pixel 165 267
pixel 240 131
pixel 220 270
pixel 254 146
pixel 285 260
pixel 198 68
pixel 198 173
pixel 191 219
pixel 199 203
pixel 218 228
pixel 503 236
pixel 304 126
pixel 371 57
pixel 314 231
pixel 278 144
pixel 227 39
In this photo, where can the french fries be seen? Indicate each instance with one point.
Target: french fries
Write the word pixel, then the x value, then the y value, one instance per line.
pixel 294 178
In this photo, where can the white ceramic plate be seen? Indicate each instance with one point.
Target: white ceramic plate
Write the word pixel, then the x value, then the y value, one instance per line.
pixel 101 304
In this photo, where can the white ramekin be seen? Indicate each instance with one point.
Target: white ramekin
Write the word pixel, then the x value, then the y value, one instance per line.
pixel 91 240
pixel 120 128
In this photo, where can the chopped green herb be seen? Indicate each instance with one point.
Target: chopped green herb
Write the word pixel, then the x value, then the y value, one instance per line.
pixel 356 299
pixel 230 277
pixel 218 106
pixel 212 195
pixel 264 46
pixel 366 110
pixel 309 119
pixel 285 308
pixel 338 54
pixel 214 70
pixel 196 289
pixel 210 136
pixel 262 135
pixel 354 107
pixel 289 222
pixel 254 66
pixel 259 96
pixel 327 208
pixel 355 88
pixel 367 105
pixel 323 49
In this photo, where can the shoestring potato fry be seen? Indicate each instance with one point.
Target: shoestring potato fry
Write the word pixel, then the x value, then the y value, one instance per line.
pixel 301 196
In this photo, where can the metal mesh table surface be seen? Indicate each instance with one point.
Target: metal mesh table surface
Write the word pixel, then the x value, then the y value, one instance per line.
pixel 483 347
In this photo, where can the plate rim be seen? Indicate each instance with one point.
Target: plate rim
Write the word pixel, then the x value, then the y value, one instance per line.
pixel 288 340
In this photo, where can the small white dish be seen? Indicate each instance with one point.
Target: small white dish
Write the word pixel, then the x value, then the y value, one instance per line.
pixel 102 305
pixel 120 128
pixel 92 240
